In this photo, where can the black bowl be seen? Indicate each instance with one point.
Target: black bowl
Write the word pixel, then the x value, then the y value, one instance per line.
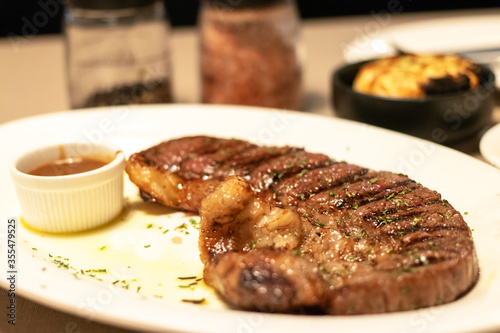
pixel 445 119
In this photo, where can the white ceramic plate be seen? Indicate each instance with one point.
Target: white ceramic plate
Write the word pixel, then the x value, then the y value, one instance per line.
pixel 137 250
pixel 466 34
pixel 490 145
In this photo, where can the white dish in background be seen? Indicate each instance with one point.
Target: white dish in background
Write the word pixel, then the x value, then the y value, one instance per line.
pixel 136 250
pixel 490 145
pixel 466 35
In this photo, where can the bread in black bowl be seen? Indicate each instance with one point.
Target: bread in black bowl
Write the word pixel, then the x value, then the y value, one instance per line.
pixel 447 109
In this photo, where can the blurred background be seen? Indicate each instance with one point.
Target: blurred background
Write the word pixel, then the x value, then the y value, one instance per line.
pixel 184 12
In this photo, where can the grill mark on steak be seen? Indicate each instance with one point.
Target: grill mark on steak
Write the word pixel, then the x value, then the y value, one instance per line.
pixel 309 182
pixel 301 231
pixel 360 191
pixel 200 165
pixel 247 161
pixel 169 155
pixel 273 172
pixel 388 192
pixel 412 236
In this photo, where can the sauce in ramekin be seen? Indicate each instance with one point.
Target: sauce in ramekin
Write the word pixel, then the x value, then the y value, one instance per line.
pixel 67 166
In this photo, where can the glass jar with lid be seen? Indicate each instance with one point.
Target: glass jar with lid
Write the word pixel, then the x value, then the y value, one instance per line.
pixel 117 52
pixel 250 53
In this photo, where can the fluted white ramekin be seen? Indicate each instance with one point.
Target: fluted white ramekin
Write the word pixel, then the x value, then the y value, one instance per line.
pixel 72 202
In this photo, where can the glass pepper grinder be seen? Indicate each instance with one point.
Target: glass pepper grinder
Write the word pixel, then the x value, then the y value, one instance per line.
pixel 117 52
pixel 250 53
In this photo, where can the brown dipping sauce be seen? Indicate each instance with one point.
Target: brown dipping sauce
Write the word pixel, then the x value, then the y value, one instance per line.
pixel 68 166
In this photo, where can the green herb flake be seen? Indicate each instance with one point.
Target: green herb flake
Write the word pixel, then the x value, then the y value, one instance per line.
pixel 373 180
pixel 408 190
pixel 303 172
pixel 150 226
pixel 355 205
pixel 302 196
pixel 181 226
pixel 147 246
pixel 194 223
pixel 103 247
pixel 100 270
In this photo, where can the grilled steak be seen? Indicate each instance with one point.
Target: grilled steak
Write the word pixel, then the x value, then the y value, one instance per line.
pixel 284 230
